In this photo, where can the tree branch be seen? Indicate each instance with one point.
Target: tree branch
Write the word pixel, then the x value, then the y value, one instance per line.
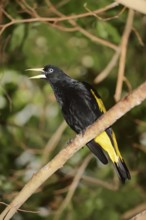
pixel 54 140
pixel 37 18
pixel 106 71
pixel 138 5
pixel 106 120
pixel 73 187
pixel 122 61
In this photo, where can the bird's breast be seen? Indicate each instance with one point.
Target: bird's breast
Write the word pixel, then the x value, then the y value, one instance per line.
pixel 77 112
pixel 78 105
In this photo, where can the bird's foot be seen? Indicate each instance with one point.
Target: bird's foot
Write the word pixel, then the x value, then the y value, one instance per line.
pixel 69 141
pixel 83 132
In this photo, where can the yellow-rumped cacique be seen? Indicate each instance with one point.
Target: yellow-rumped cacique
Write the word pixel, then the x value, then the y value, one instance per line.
pixel 81 106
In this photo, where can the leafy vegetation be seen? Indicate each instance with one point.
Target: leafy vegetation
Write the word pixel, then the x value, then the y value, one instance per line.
pixel 30 116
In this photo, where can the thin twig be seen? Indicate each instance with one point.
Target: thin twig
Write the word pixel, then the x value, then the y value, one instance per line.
pixel 128 84
pixel 30 8
pixel 83 31
pixel 52 143
pixel 63 28
pixel 7 15
pixel 140 122
pixel 70 19
pixel 21 210
pixel 108 68
pixel 106 120
pixel 138 37
pixel 106 19
pixel 122 60
pixel 96 39
pixel 98 182
pixel 140 147
pixel 86 14
pixel 45 19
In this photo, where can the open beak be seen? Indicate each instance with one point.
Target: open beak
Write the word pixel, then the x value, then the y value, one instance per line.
pixel 41 76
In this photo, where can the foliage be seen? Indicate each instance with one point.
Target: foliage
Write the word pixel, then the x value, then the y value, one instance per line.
pixel 29 114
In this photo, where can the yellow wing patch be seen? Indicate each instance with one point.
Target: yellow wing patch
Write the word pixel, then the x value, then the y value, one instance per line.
pixel 99 102
pixel 116 145
pixel 104 141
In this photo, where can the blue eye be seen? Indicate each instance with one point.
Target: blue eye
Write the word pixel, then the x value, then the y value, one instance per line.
pixel 51 70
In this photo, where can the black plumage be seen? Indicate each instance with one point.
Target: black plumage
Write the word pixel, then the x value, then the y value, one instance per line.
pixel 81 106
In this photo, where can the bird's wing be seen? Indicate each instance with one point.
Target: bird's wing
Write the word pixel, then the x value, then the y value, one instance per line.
pixel 107 138
pixel 96 97
pixel 107 141
pixel 99 109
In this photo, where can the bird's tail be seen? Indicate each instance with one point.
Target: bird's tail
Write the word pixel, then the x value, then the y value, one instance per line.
pixel 106 142
pixel 122 170
pixel 97 151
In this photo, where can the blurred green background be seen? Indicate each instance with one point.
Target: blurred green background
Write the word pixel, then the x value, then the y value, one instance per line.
pixel 30 116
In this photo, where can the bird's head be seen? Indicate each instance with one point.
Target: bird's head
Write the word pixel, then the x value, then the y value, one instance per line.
pixel 47 72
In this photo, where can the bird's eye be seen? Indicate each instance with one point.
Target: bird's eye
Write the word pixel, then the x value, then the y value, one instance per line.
pixel 51 70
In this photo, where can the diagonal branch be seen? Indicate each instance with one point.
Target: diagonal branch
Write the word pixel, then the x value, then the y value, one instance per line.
pixel 82 30
pixel 55 21
pixel 53 141
pixel 106 71
pixel 73 187
pixel 36 18
pixel 106 120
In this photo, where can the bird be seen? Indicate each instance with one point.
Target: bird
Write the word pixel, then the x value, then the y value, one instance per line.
pixel 81 106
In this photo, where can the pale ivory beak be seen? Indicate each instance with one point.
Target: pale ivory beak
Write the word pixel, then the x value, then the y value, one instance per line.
pixel 38 76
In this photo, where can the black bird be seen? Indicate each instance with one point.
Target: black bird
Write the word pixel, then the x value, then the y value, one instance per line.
pixel 81 106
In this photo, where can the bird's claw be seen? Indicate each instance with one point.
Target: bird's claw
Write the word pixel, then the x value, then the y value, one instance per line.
pixel 83 132
pixel 69 141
